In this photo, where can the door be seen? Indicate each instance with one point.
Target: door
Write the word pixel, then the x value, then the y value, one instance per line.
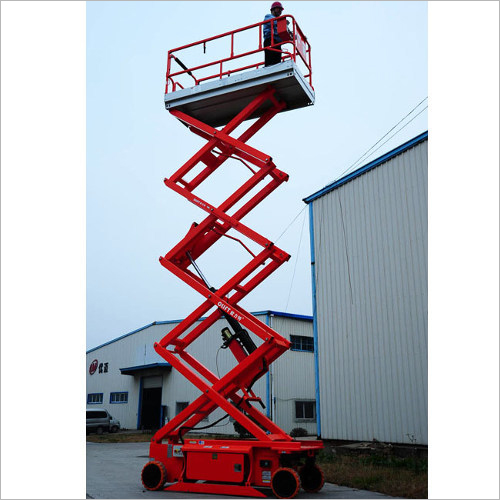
pixel 151 403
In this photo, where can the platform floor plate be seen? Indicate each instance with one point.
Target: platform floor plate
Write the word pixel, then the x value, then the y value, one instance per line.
pixel 217 102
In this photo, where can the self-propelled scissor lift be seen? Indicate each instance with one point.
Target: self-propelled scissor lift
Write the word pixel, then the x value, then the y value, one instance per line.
pixel 218 94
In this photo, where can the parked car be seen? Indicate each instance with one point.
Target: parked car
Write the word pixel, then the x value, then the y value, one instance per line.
pixel 99 420
pixel 114 425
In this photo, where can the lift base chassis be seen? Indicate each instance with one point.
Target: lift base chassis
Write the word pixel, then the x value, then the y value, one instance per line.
pixel 230 467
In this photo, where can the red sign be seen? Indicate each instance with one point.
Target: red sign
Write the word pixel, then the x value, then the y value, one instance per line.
pixel 93 367
pixel 301 45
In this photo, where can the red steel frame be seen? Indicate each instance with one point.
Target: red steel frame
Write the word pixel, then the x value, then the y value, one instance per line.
pixel 183 463
pixel 200 238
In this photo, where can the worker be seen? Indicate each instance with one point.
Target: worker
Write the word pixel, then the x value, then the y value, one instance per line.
pixel 272 56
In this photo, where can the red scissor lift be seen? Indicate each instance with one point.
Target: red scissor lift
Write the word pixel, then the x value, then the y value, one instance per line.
pixel 225 97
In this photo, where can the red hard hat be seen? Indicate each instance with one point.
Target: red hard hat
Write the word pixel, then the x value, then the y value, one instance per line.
pixel 277 4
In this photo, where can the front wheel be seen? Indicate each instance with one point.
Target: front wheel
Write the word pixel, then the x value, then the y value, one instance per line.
pixel 285 483
pixel 311 478
pixel 154 475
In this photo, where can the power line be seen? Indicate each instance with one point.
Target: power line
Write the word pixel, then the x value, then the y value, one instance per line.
pixel 296 261
pixel 289 225
pixel 385 135
pixel 397 132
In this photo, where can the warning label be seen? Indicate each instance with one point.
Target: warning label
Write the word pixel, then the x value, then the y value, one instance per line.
pixel 266 476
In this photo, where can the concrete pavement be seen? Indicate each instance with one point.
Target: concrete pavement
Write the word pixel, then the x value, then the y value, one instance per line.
pixel 114 471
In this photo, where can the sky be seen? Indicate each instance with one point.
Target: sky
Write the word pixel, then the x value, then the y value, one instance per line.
pixel 369 64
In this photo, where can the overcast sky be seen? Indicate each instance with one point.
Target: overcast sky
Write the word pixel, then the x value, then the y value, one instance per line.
pixel 369 71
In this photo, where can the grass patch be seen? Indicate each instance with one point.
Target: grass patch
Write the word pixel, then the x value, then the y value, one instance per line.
pixel 138 437
pixel 120 437
pixel 399 477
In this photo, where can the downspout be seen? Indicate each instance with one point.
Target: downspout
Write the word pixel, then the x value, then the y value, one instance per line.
pixel 268 377
pixel 139 405
pixel 315 320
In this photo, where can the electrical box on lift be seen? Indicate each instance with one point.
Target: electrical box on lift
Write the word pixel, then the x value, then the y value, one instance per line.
pixel 215 466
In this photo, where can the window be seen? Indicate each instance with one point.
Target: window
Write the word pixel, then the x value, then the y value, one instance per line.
pixel 94 398
pixel 305 410
pixel 180 405
pixel 300 343
pixel 118 397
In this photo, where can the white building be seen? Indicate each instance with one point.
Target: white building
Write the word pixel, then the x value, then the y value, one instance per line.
pixel 369 272
pixel 128 378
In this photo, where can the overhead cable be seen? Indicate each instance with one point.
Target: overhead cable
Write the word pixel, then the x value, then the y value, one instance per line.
pixel 369 152
pixel 397 132
pixel 296 261
pixel 289 225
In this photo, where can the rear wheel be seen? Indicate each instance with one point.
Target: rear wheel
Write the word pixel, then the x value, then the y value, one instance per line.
pixel 285 483
pixel 154 475
pixel 311 478
pixel 99 430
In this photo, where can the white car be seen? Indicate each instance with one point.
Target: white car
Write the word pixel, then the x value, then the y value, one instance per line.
pixel 99 420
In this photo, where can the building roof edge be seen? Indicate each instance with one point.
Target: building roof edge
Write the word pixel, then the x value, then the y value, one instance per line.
pixel 369 166
pixel 258 313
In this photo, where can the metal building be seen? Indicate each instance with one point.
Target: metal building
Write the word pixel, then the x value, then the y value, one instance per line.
pixel 369 274
pixel 128 378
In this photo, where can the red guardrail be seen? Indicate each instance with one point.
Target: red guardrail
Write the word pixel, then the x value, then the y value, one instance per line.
pixel 294 46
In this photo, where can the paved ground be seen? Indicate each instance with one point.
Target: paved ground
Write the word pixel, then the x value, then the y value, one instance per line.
pixel 114 469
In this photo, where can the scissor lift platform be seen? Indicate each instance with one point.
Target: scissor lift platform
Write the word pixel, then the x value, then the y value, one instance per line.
pixel 226 98
pixel 216 102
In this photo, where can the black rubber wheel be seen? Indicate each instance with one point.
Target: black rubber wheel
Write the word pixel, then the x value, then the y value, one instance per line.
pixel 154 475
pixel 285 483
pixel 99 430
pixel 311 478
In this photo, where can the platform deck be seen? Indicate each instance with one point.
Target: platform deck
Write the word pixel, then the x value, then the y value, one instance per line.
pixel 217 102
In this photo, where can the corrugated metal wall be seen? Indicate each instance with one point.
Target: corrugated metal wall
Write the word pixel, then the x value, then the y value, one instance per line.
pixel 370 243
pixel 137 350
pixel 132 350
pixel 292 377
